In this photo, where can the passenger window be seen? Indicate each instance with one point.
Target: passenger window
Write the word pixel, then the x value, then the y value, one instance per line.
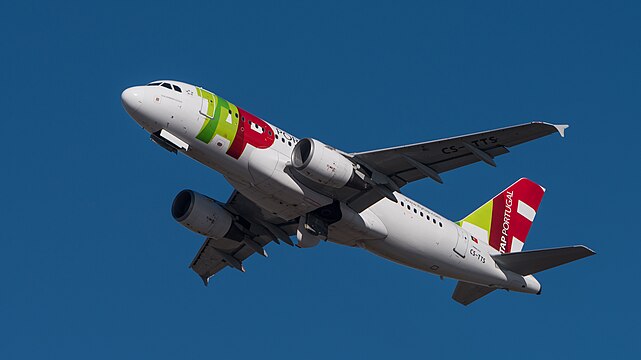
pixel 168 86
pixel 177 89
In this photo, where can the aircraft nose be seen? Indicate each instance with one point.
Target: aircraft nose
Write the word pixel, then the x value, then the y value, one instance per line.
pixel 132 99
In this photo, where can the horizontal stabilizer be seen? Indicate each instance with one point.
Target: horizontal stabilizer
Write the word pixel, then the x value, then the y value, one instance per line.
pixel 531 262
pixel 466 293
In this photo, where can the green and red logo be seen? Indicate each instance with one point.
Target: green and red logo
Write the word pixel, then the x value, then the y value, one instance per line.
pixel 234 124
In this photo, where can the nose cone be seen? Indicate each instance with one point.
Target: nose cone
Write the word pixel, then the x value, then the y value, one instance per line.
pixel 132 99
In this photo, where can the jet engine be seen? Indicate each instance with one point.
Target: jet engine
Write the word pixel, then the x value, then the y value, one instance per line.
pixel 323 164
pixel 203 215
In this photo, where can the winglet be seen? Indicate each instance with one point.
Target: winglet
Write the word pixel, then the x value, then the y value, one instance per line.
pixel 561 129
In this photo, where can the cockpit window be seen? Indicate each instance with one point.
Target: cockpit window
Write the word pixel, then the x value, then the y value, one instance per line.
pixel 166 85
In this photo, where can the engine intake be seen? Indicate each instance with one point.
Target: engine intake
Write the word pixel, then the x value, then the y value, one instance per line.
pixel 203 215
pixel 323 164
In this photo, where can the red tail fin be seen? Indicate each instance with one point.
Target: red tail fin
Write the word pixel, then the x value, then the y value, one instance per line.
pixel 505 221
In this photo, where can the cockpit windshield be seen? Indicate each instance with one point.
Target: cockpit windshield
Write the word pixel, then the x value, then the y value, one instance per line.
pixel 166 85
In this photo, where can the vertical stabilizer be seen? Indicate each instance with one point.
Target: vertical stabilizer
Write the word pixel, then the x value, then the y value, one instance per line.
pixel 505 221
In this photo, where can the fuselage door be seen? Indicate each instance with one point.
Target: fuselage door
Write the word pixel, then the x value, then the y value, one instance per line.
pixel 461 242
pixel 207 104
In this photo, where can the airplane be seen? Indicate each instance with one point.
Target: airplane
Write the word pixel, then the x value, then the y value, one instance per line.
pixel 286 187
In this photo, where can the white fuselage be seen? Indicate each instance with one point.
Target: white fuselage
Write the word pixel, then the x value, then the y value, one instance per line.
pixel 404 231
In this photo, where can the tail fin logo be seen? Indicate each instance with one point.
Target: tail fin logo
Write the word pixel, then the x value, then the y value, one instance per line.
pixel 505 221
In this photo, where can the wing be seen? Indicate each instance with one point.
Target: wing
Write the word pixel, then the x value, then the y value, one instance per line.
pixel 259 230
pixel 405 164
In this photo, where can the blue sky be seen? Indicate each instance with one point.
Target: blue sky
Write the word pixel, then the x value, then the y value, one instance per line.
pixel 93 265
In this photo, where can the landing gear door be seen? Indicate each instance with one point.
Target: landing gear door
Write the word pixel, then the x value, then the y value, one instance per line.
pixel 461 242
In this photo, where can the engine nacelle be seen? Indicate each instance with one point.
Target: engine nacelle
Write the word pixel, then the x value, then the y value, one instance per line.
pixel 201 214
pixel 324 165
